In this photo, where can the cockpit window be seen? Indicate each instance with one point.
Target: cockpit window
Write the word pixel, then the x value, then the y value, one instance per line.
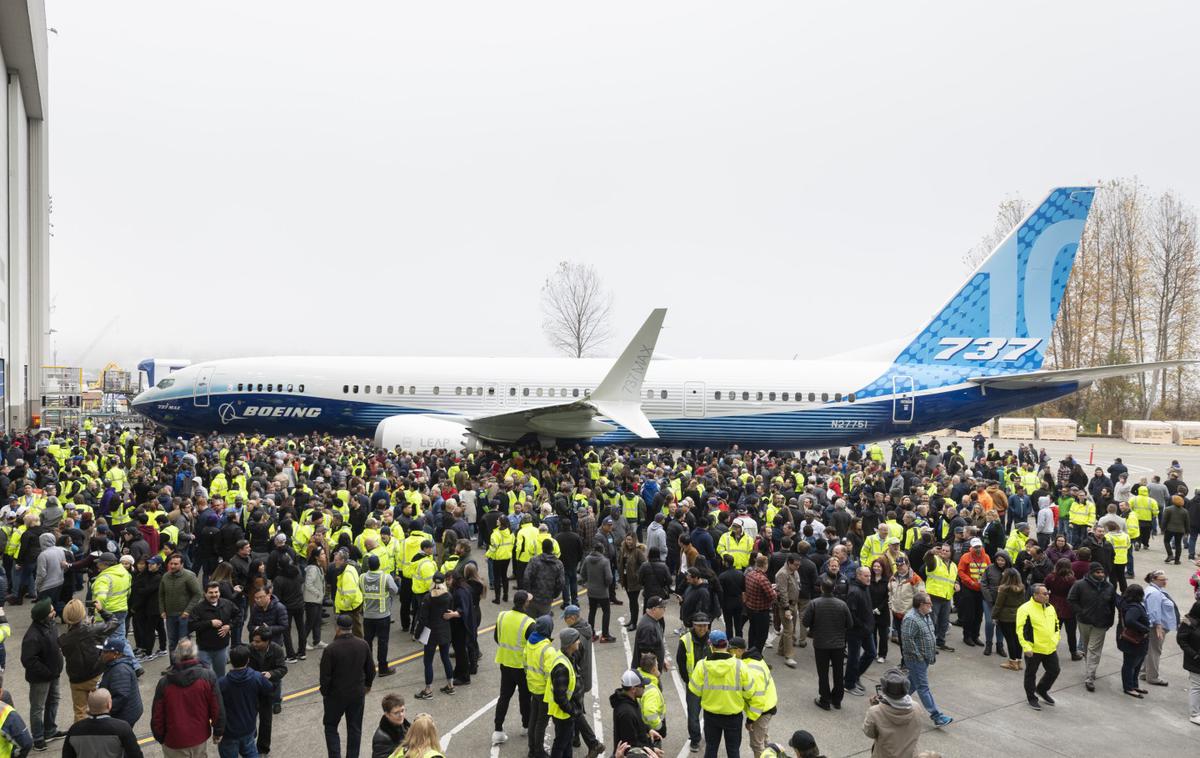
pixel 165 383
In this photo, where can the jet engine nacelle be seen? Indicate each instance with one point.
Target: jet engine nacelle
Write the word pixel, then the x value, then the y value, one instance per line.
pixel 424 432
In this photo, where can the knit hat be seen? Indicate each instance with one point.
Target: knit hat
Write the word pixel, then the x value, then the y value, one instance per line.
pixel 568 637
pixel 41 609
pixel 1095 566
pixel 544 625
pixel 74 612
pixel 802 740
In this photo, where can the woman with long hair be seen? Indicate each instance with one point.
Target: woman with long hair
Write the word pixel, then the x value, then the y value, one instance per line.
pixel 1059 583
pixel 989 583
pixel 1133 632
pixel 460 627
pixel 1010 595
pixel 314 593
pixel 881 574
pixel 421 740
pixel 435 615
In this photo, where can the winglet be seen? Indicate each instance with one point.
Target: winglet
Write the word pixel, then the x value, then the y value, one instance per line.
pixel 619 395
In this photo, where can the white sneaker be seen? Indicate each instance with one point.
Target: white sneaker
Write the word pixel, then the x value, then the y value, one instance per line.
pixel 790 663
pixel 322 643
pixel 499 738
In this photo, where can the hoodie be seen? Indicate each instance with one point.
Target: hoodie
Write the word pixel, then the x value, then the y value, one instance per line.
pixel 187 708
pixel 49 564
pixel 656 536
pixel 627 720
pixel 894 726
pixel 240 691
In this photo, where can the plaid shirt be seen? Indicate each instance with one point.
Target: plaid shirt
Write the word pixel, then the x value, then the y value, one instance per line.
pixel 917 638
pixel 759 594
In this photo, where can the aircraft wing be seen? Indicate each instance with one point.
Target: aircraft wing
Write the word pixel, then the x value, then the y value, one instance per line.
pixel 1081 375
pixel 618 398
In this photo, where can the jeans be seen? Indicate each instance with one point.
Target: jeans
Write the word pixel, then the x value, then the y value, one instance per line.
pixel 970 612
pixel 1032 684
pixel 26 575
pixel 718 726
pixel 564 729
pixel 231 747
pixel 860 653
pixel 603 605
pixel 1131 664
pixel 918 682
pixel 989 629
pixel 733 621
pixel 693 717
pixel 312 622
pixel 1191 543
pixel 430 649
pixel 1078 533
pixel 512 680
pixel 500 578
pixel 1173 539
pixel 215 659
pixel 760 625
pixel 266 719
pixel 571 588
pixel 827 658
pixel 381 630
pixel 119 635
pixel 335 709
pixel 43 709
pixel 941 619
pixel 176 630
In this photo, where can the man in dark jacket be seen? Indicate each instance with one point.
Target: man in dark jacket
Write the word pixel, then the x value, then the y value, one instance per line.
pixel 1093 600
pixel 122 684
pixel 43 663
pixel 649 635
pixel 570 552
pixel 860 640
pixel 268 658
pixel 187 709
pixel 213 620
pixel 266 610
pixel 828 621
pixel 241 690
pixel 544 579
pixel 627 714
pixel 80 645
pixel 347 672
pixel 100 734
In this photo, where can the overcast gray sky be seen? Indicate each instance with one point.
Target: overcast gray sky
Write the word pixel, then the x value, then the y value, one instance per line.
pixel 398 178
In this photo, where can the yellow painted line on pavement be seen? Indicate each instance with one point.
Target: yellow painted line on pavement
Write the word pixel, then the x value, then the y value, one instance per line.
pixel 399 661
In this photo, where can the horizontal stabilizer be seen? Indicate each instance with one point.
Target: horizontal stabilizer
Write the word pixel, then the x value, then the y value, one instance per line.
pixel 1081 375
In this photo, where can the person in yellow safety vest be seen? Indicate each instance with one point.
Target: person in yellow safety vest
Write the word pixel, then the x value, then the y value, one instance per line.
pixel 528 544
pixel 1030 479
pixel 110 595
pixel 378 588
pixel 693 647
pixel 1122 544
pixel 370 530
pixel 116 477
pixel 543 537
pixel 1037 630
pixel 348 596
pixel 560 689
pixel 14 734
pixel 301 534
pixel 874 545
pixel 763 703
pixel 462 549
pixel 875 452
pixel 424 567
pixel 1144 509
pixel 500 553
pixel 725 686
pixel 737 544
pixel 511 634
pixel 1082 514
pixel 410 552
pixel 941 582
pixel 219 485
pixel 538 652
pixel 652 703
pixel 1016 540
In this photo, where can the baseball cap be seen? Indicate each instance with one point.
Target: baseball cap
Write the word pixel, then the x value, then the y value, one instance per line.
pixel 114 646
pixel 570 610
pixel 715 637
pixel 633 679
pixel 976 542
pixel 737 642
pixel 802 740
pixel 700 618
pixel 655 602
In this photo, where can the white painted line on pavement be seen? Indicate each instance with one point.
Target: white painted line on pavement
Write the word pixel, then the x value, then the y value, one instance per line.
pixel 596 707
pixel 464 724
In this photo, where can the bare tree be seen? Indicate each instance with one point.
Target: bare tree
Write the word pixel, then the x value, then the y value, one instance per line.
pixel 1012 211
pixel 576 309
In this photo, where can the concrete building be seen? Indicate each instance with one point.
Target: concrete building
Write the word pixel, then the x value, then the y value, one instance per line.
pixel 24 210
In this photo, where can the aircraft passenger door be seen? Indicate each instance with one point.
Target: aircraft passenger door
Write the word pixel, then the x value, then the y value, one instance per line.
pixel 200 392
pixel 693 399
pixel 904 399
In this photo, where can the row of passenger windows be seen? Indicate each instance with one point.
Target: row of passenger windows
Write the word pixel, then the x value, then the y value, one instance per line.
pixel 784 396
pixel 270 387
pixel 394 389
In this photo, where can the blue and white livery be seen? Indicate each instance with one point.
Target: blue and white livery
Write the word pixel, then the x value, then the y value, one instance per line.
pixel 979 357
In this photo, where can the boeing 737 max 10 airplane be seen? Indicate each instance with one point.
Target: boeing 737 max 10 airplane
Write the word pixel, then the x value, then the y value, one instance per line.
pixel 980 356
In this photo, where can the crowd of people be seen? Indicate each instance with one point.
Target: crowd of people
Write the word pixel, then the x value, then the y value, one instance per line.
pixel 237 554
